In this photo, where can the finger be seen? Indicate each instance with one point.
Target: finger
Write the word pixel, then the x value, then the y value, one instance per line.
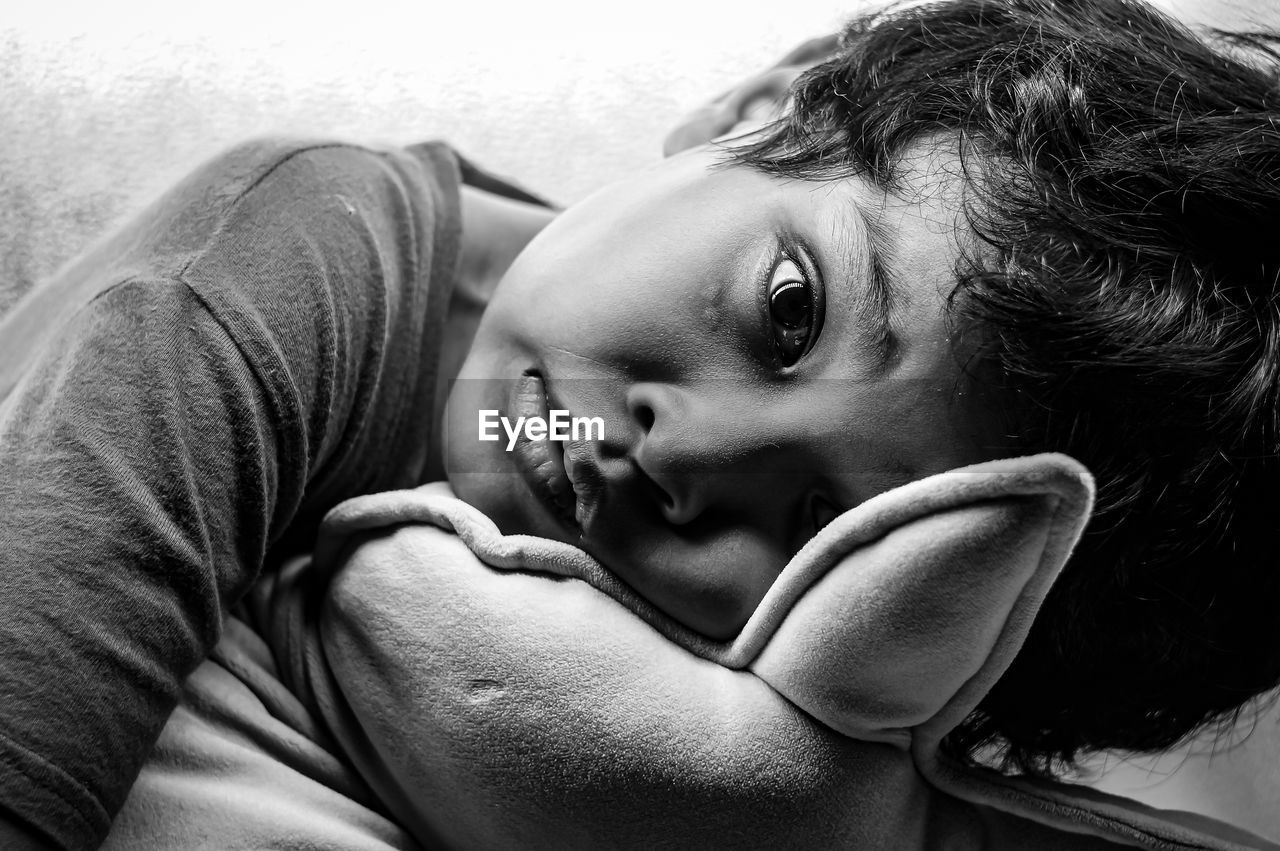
pixel 760 98
pixel 768 91
pixel 697 128
pixel 812 51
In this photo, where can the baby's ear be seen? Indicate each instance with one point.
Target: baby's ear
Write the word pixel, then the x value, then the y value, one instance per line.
pixel 904 611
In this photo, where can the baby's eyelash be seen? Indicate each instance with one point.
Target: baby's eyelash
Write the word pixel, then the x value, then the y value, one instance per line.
pixel 791 307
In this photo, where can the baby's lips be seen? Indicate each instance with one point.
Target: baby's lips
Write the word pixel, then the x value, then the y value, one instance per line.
pixel 530 397
pixel 587 481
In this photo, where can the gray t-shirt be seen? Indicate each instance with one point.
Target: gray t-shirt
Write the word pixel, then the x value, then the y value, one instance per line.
pixel 178 409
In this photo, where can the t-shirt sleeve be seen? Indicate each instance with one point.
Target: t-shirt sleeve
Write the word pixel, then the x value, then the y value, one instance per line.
pixel 261 347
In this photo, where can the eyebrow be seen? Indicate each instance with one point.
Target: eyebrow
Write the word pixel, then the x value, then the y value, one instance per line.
pixel 882 284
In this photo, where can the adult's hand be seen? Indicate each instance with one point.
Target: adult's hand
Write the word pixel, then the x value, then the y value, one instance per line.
pixel 754 100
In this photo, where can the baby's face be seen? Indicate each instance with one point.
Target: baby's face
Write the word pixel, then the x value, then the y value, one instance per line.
pixel 725 328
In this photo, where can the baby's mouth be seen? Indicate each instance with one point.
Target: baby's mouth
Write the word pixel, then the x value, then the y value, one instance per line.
pixel 587 481
pixel 542 462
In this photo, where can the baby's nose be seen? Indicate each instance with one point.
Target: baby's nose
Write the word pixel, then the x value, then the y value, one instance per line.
pixel 711 446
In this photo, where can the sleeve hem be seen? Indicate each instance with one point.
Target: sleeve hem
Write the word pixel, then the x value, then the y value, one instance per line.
pixel 49 799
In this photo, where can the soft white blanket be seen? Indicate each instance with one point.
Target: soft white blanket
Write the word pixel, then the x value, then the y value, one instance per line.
pixel 485 691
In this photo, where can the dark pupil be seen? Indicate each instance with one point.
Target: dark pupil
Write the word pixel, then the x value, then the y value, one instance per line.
pixel 790 305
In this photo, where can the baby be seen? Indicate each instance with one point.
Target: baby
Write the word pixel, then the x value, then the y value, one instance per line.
pixel 984 229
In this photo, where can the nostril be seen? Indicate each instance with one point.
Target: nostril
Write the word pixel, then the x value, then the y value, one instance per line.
pixel 668 501
pixel 660 448
pixel 658 492
pixel 644 416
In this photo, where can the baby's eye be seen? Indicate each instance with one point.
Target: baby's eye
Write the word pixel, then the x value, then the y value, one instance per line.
pixel 793 312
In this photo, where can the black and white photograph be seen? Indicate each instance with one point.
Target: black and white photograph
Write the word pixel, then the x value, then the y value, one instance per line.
pixel 833 424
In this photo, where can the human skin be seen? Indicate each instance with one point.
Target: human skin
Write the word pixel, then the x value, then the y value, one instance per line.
pixel 738 418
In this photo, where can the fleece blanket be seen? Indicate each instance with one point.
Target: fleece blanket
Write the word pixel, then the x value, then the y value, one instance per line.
pixel 431 682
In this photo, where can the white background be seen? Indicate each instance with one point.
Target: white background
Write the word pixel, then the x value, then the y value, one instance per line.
pixel 105 104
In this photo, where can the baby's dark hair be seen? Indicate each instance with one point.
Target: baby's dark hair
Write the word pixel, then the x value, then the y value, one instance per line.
pixel 1123 179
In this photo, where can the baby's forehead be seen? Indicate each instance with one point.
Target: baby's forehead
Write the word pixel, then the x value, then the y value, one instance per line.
pixel 906 220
